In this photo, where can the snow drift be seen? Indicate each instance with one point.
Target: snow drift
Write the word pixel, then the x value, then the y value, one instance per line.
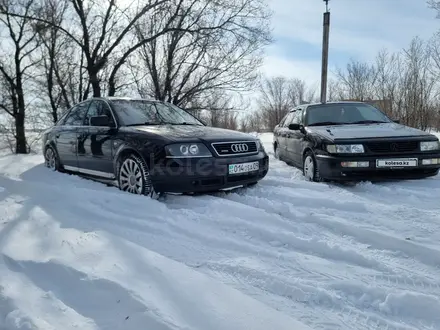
pixel 285 254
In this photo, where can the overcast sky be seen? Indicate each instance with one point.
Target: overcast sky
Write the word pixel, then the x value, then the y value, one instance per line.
pixel 359 29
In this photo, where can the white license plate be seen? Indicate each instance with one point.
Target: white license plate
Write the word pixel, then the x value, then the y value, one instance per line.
pixel 243 167
pixel 397 162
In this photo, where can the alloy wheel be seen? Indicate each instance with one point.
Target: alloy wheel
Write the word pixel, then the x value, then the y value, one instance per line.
pixel 277 152
pixel 134 177
pixel 50 159
pixel 130 177
pixel 309 168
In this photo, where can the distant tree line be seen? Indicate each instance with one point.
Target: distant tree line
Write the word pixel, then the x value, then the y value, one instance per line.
pixel 405 85
pixel 202 55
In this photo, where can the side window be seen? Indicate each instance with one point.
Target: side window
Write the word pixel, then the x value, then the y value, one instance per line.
pixel 289 119
pixel 104 110
pixel 76 116
pixel 281 123
pixel 93 111
pixel 99 108
pixel 298 117
pixel 61 121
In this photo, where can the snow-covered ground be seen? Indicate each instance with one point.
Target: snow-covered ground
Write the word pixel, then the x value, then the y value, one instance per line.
pixel 76 254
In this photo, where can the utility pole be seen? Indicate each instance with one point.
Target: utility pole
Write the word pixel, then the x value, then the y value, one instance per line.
pixel 325 43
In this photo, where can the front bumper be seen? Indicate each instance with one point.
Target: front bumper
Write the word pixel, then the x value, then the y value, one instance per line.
pixel 205 174
pixel 330 167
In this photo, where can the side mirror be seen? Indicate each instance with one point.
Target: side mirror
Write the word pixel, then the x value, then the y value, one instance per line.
pixel 102 121
pixel 294 127
pixel 397 121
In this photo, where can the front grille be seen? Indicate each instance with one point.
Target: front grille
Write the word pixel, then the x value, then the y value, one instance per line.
pixel 235 148
pixel 390 147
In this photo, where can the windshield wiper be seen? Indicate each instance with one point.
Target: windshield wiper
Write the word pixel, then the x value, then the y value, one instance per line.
pixel 144 123
pixel 185 123
pixel 325 123
pixel 369 122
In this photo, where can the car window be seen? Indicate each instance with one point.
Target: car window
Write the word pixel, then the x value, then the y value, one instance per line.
pixel 344 114
pixel 93 111
pixel 297 119
pixel 141 112
pixel 77 115
pixel 99 108
pixel 174 115
pixel 289 119
pixel 63 117
pixel 281 123
pixel 136 112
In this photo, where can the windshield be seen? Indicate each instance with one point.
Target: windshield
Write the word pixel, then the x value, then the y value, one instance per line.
pixel 143 112
pixel 339 114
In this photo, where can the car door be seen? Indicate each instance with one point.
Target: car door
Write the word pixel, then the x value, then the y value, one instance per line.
pixel 96 157
pixel 283 132
pixel 278 130
pixel 295 139
pixel 66 138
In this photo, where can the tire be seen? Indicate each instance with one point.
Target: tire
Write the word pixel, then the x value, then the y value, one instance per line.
pixel 51 159
pixel 134 176
pixel 277 152
pixel 310 168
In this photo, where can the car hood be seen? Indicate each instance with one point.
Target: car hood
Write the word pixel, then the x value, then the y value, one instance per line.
pixel 179 133
pixel 342 132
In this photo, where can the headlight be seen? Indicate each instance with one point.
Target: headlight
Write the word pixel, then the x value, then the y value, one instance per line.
pixel 345 148
pixel 184 150
pixel 260 146
pixel 429 145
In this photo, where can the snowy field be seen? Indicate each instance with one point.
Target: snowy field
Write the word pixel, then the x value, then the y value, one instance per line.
pixel 76 254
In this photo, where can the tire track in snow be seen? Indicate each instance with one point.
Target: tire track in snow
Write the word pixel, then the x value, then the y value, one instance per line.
pixel 296 290
pixel 284 241
pixel 423 254
pixel 266 247
pixel 271 223
pixel 374 239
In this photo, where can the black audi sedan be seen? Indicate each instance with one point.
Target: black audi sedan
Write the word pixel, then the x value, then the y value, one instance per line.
pixel 353 141
pixel 150 147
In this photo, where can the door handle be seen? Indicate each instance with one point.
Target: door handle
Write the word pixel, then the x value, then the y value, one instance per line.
pixel 57 136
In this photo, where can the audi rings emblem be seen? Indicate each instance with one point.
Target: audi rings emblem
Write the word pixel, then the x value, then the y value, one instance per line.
pixel 239 147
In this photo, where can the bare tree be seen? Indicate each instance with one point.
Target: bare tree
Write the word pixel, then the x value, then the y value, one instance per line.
pixel 404 84
pixel 252 122
pixel 300 93
pixel 434 4
pixel 58 63
pixel 99 29
pixel 275 100
pixel 418 83
pixel 224 53
pixel 358 79
pixel 335 90
pixel 16 59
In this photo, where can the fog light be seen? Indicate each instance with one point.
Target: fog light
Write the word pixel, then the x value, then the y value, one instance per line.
pixel 433 161
pixel 355 164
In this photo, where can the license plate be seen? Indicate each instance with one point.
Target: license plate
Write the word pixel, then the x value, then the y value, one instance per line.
pixel 397 162
pixel 243 167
